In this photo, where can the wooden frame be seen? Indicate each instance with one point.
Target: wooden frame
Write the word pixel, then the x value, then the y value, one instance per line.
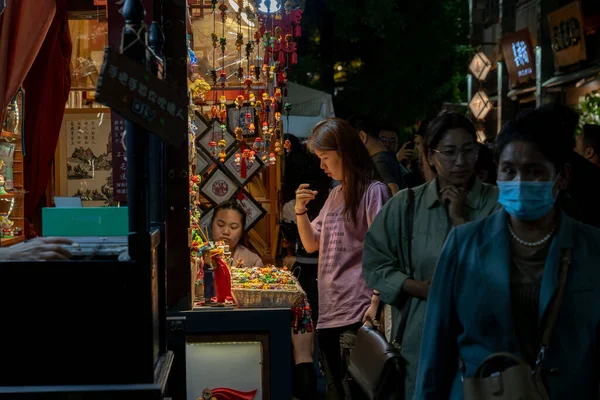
pixel 234 119
pixel 204 138
pixel 249 203
pixel 208 188
pixel 232 169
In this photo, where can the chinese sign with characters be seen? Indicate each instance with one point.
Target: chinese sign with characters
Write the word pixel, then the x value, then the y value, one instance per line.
pixel 88 156
pixel 519 57
pixel 568 38
pixel 119 164
pixel 139 96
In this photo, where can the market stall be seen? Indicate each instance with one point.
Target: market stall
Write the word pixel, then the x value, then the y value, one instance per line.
pixel 240 53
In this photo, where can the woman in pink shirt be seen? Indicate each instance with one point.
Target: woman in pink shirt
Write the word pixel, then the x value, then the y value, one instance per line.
pixel 338 234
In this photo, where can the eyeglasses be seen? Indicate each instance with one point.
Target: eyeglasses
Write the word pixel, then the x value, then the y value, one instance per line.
pixel 385 139
pixel 469 153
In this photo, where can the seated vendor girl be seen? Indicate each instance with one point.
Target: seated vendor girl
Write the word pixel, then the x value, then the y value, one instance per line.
pixel 228 225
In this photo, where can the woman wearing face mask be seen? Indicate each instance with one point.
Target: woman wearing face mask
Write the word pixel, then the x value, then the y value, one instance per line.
pixel 228 225
pixel 451 199
pixel 338 234
pixel 496 278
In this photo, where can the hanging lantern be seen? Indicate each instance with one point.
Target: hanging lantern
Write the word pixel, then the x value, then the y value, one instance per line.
pixel 480 105
pixel 272 159
pixel 480 66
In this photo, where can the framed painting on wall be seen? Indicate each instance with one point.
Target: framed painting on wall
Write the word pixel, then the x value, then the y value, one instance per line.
pixel 254 211
pixel 213 133
pixel 252 168
pixel 218 187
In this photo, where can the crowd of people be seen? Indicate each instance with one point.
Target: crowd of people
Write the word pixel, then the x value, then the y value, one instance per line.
pixel 477 268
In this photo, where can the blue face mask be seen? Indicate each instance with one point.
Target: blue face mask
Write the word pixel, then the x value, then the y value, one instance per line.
pixel 527 201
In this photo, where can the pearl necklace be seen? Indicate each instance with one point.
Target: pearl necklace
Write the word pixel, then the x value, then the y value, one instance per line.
pixel 531 244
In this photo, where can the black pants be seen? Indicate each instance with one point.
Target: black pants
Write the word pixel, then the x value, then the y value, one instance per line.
pixel 336 344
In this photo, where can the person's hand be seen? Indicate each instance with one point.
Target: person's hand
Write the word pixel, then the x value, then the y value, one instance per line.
pixel 454 199
pixel 303 196
pixel 405 154
pixel 40 249
pixel 424 289
pixel 370 317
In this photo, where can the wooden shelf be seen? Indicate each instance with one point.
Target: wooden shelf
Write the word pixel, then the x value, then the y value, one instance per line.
pixel 11 195
pixel 9 135
pixel 12 240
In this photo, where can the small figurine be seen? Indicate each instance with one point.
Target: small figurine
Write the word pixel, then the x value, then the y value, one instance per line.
pixel 258 106
pixel 223 100
pixel 213 148
pixel 248 119
pixel 2 190
pixel 252 99
pixel 258 145
pixel 207 395
pixel 272 159
pixel 277 94
pixel 222 156
pixel 252 156
pixel 238 159
pixel 239 101
pixel 239 133
pixel 287 145
pixel 278 147
pixel 214 112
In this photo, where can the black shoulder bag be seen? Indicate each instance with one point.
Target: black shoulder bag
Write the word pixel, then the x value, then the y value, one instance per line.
pixel 376 365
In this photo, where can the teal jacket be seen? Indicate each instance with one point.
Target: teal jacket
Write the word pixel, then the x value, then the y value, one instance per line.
pixel 469 310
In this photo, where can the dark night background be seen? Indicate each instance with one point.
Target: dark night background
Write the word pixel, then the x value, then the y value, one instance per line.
pixel 397 61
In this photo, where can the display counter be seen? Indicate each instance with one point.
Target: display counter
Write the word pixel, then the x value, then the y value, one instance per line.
pixel 237 354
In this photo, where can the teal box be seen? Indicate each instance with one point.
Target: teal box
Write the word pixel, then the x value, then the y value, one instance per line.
pixel 85 221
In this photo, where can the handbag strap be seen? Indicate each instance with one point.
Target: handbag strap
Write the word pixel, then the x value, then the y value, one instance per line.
pixel 410 217
pixel 554 310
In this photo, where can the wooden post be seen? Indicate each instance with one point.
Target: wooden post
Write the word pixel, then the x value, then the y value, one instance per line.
pixel 179 296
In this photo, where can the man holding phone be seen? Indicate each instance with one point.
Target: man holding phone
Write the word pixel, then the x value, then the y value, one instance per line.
pixel 385 161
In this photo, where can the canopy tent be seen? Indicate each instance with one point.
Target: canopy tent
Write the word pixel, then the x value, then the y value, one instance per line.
pixel 309 106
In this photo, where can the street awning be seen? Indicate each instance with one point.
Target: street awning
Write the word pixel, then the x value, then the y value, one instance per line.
pixel 513 94
pixel 573 77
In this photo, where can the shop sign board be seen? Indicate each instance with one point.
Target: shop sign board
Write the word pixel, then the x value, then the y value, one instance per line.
pixel 139 96
pixel 568 38
pixel 519 57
